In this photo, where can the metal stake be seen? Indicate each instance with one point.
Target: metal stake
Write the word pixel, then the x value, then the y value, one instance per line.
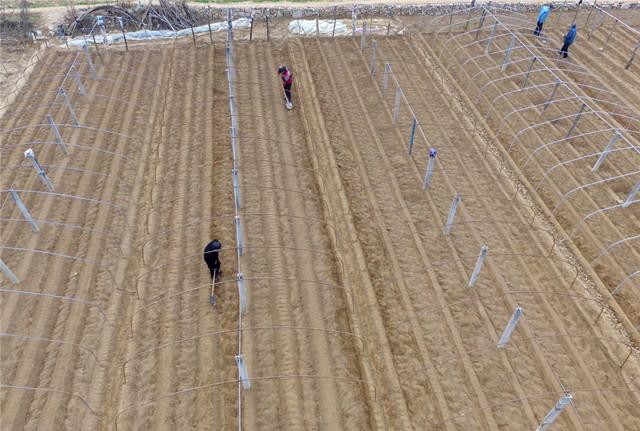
pixel 318 25
pixel 24 211
pixel 396 108
pixel 236 187
pixel 242 293
pixel 575 120
pixel 91 66
pixel 242 372
pixel 10 275
pixel 414 122
pixel 431 164
pixel 78 80
pixel 57 134
pixel 239 235
pixel 385 77
pixel 363 37
pixel 506 334
pixel 30 155
pixel 353 21
pixel 476 271
pixel 209 23
pixel 526 77
pixel 633 55
pixel 632 194
pixel 491 36
pixel 554 412
pixel 507 55
pixel 615 138
pixel 372 64
pixel 124 35
pixel 267 19
pixel 551 96
pixel 69 107
pixel 481 23
pixel 452 213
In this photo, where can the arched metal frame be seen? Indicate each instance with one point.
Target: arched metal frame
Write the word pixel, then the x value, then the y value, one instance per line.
pixel 54 341
pixel 627 278
pixel 608 248
pixel 596 212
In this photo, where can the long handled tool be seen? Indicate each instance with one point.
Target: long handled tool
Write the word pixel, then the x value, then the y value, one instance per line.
pixel 212 297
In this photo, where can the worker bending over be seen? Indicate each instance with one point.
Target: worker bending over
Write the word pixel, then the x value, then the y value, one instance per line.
pixel 287 81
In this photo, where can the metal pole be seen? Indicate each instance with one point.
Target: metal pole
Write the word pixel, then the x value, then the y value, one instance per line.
pixel 10 275
pixel 24 211
pixel 91 66
pixel 69 107
pixel 124 35
pixel 267 18
pixel 209 23
pixel 242 372
pixel 363 36
pixel 236 187
pixel 507 55
pixel 396 108
pixel 452 213
pixel 30 155
pixel 385 77
pixel 476 271
pixel 372 64
pixel 333 32
pixel 576 15
pixel 414 122
pixel 526 77
pixel 239 235
pixel 57 134
pixel 575 121
pixel 431 164
pixel 318 25
pixel 551 96
pixel 76 76
pixel 633 55
pixel 554 412
pixel 353 21
pixel 508 330
pixel 564 6
pixel 481 23
pixel 242 293
pixel 632 194
pixel 491 36
pixel 388 27
pixel 466 23
pixel 615 138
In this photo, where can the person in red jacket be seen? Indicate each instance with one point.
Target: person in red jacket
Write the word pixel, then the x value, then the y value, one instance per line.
pixel 287 81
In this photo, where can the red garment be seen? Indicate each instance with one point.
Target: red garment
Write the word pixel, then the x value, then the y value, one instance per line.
pixel 287 77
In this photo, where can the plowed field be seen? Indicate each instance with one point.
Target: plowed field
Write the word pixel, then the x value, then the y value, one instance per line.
pixel 359 313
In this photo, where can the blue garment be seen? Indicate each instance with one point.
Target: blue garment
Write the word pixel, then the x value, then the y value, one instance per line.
pixel 571 35
pixel 544 13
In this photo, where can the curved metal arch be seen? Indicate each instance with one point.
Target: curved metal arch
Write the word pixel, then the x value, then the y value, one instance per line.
pixel 93 129
pixel 55 391
pixel 54 341
pixel 627 278
pixel 65 256
pixel 466 22
pixel 235 382
pixel 462 11
pixel 235 331
pixel 89 148
pixel 119 178
pixel 598 211
pixel 567 162
pixel 80 198
pixel 594 183
pixel 613 245
pixel 66 225
pixel 563 140
pixel 59 297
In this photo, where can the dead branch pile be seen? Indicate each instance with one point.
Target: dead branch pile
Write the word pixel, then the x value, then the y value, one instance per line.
pixel 164 15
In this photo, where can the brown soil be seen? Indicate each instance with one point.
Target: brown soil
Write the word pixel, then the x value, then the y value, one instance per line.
pixel 359 315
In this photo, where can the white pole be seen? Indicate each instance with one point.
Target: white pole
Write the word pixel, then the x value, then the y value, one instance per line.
pixel 242 293
pixel 506 334
pixel 551 96
pixel 431 164
pixel 24 211
pixel 615 138
pixel 76 76
pixel 30 155
pixel 363 37
pixel 385 77
pixel 372 64
pixel 632 194
pixel 239 235
pixel 526 77
pixel 236 187
pixel 396 108
pixel 507 55
pixel 67 103
pixel 476 271
pixel 554 412
pixel 575 121
pixel 85 49
pixel 491 36
pixel 10 275
pixel 56 133
pixel 452 213
pixel 242 372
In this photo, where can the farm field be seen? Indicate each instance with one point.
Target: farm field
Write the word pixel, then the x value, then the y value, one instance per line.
pixel 359 313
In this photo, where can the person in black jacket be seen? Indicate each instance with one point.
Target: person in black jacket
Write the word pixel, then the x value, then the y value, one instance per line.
pixel 211 258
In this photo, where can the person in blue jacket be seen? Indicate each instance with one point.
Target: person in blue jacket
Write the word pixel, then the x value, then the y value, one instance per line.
pixel 568 40
pixel 542 17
